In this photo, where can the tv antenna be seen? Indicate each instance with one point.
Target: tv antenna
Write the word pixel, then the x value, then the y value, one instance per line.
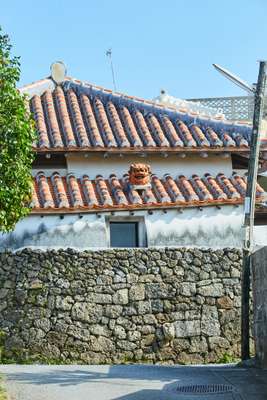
pixel 109 54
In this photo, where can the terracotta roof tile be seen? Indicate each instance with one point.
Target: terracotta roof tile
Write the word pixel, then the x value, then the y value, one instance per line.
pixel 171 132
pixel 59 190
pixel 102 189
pixel 185 134
pixel 106 131
pixel 75 116
pixel 147 137
pixel 213 138
pixel 132 194
pixel 74 191
pixel 51 119
pixel 239 183
pixel 187 189
pixel 60 193
pixel 199 136
pixel 156 130
pixel 117 126
pixel 216 190
pixel 200 188
pixel 89 192
pixel 130 127
pixel 44 191
pixel 160 191
pixel 173 190
pixel 90 122
pixel 40 122
pixel 228 187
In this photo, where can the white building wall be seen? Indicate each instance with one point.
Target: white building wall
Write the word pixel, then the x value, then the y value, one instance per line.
pixel 95 164
pixel 210 227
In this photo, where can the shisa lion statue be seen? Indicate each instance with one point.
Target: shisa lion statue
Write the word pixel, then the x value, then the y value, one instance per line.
pixel 139 175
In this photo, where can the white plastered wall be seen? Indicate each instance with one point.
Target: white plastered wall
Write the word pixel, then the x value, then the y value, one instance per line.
pixel 96 164
pixel 211 227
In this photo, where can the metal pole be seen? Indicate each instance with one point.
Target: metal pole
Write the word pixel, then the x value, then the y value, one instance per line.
pixel 109 54
pixel 250 207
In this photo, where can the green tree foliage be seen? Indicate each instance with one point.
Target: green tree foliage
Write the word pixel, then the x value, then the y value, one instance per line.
pixel 17 134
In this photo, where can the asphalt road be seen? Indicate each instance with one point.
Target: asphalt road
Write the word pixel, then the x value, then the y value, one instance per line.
pixel 132 382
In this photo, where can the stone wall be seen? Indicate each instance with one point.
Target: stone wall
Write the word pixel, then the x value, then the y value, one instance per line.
pixel 259 273
pixel 120 305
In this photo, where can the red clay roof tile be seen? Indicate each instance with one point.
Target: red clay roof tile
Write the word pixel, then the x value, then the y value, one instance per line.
pixel 74 116
pixel 64 194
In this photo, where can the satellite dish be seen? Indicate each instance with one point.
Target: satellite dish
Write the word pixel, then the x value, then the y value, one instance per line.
pixel 58 71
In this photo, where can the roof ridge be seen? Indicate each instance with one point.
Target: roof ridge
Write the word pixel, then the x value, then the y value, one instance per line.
pixel 182 112
pixel 42 84
pixel 35 83
pixel 143 101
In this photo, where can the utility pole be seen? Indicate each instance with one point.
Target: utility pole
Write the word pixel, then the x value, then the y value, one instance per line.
pixel 250 208
pixel 250 198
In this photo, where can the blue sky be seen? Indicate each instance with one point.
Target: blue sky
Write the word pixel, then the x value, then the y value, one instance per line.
pixel 156 44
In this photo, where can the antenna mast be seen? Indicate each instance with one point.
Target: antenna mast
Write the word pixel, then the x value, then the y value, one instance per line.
pixel 109 54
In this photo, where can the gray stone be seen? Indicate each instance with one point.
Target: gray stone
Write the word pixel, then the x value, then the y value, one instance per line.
pixel 62 283
pixel 233 256
pixel 221 342
pixel 144 307
pixel 235 273
pixel 102 344
pixel 150 319
pixel 121 297
pixel 133 336
pixel 159 291
pixel 43 324
pixel 36 284
pixel 99 330
pixel 79 332
pixel 165 271
pixel 198 345
pixel 156 306
pixel 64 303
pixel 147 340
pixel 126 345
pixel 187 289
pixel 210 325
pixel 100 298
pixel 168 331
pixel 137 292
pixel 187 328
pixel 203 275
pixel 147 329
pixel 113 311
pixel 20 295
pixel 225 302
pixel 192 314
pixel 3 305
pixel 132 278
pixel 3 293
pixel 87 312
pixel 119 332
pixel 213 290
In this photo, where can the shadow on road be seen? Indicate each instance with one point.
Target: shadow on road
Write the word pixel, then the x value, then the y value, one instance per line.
pixel 142 382
pixel 75 375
